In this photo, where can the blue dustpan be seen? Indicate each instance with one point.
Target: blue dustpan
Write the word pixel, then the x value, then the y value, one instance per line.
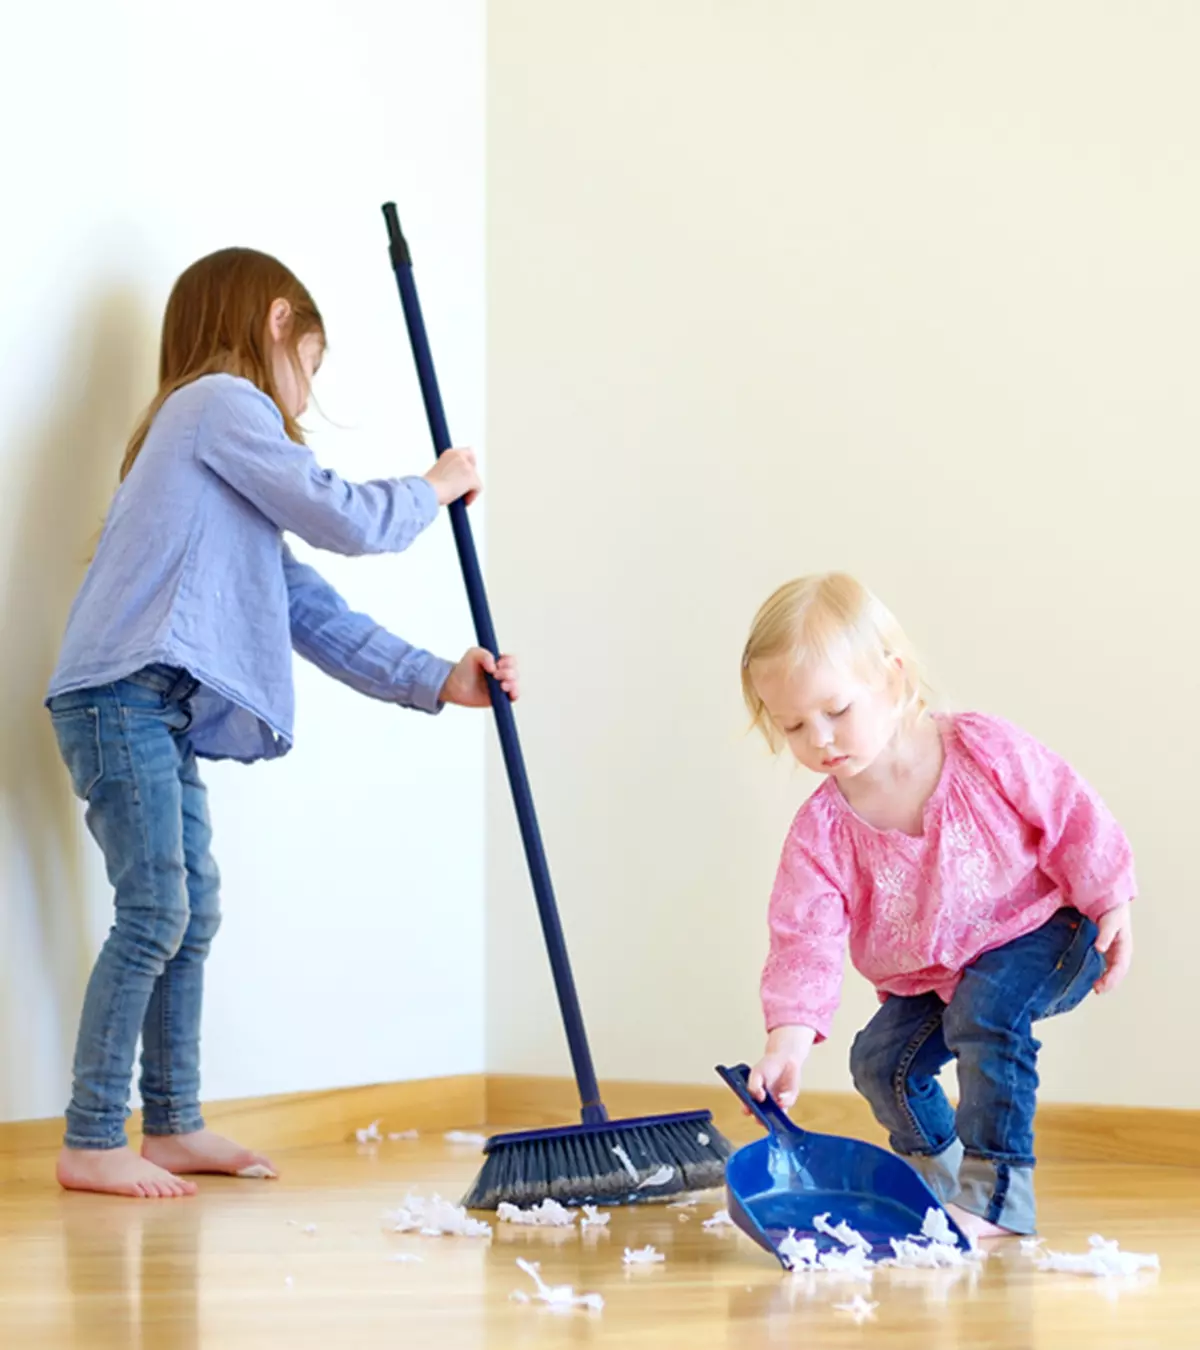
pixel 781 1183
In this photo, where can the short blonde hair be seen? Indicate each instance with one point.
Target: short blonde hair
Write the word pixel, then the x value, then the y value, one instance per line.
pixel 831 618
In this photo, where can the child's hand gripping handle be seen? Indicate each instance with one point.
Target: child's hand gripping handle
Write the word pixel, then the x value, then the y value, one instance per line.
pixel 768 1111
pixel 506 726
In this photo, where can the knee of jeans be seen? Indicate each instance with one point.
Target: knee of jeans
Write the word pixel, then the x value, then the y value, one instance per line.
pixel 872 1067
pixel 201 929
pixel 975 1030
pixel 158 934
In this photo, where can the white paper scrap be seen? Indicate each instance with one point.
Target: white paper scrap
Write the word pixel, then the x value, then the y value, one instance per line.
pixel 1103 1258
pixel 720 1219
pixel 258 1172
pixel 643 1256
pixel 799 1253
pixel 592 1218
pixel 626 1161
pixel 937 1227
pixel 841 1232
pixel 435 1218
pixel 465 1137
pixel 549 1214
pixel 854 1262
pixel 858 1308
pixel 662 1177
pixel 913 1254
pixel 559 1296
pixel 369 1134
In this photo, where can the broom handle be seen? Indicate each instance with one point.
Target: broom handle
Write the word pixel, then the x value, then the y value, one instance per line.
pixel 506 725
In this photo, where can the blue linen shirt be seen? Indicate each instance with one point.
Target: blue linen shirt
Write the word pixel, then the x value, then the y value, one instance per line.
pixel 192 570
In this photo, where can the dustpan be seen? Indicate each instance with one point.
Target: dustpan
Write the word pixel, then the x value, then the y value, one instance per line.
pixel 782 1183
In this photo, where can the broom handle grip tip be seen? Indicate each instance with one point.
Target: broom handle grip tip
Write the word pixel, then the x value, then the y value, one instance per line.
pixel 397 244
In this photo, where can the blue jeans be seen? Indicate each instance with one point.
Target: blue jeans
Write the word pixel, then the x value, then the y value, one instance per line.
pixel 127 750
pixel 980 1156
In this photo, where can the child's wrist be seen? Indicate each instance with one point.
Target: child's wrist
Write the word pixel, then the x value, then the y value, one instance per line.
pixel 793 1036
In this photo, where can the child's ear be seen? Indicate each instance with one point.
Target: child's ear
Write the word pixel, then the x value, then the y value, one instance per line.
pixel 279 319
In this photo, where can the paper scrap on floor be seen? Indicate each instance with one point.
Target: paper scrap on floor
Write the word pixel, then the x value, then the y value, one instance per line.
pixel 465 1137
pixel 858 1308
pixel 592 1218
pixel 720 1219
pixel 562 1297
pixel 549 1214
pixel 1103 1258
pixel 913 1254
pixel 643 1256
pixel 369 1134
pixel 435 1218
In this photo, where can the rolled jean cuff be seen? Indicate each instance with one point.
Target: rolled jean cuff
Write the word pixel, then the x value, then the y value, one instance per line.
pixel 94 1133
pixel 158 1123
pixel 1000 1192
pixel 939 1171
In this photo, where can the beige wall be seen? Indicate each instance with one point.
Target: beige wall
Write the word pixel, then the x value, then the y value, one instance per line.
pixel 774 287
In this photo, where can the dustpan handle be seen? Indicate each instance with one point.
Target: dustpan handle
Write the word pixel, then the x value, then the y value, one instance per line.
pixel 768 1111
pixel 506 726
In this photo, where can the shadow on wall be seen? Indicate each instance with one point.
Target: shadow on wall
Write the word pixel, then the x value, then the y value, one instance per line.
pixel 73 456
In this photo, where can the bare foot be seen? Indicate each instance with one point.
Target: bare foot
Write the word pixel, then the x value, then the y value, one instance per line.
pixel 977 1229
pixel 205 1151
pixel 117 1171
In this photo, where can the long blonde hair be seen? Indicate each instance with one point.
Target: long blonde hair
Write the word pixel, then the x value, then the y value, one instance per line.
pixel 829 618
pixel 216 322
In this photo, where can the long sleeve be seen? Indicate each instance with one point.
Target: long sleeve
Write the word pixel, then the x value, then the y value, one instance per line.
pixel 1082 849
pixel 353 648
pixel 243 442
pixel 809 924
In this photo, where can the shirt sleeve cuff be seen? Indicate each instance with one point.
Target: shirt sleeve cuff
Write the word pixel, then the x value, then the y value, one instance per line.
pixel 427 684
pixel 425 498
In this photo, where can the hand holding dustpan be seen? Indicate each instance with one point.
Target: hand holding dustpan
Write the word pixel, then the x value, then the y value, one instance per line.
pixel 780 1184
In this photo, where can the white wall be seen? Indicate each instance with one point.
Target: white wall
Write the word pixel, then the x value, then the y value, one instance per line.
pixel 779 287
pixel 353 943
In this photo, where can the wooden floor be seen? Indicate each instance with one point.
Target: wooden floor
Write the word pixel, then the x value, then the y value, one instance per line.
pixel 234 1268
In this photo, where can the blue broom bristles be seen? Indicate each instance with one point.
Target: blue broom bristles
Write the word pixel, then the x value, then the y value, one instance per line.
pixel 595 1164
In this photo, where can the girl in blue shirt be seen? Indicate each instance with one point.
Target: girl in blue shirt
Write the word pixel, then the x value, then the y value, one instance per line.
pixel 178 648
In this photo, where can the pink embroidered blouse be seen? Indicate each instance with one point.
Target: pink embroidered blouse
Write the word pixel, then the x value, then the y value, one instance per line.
pixel 1011 834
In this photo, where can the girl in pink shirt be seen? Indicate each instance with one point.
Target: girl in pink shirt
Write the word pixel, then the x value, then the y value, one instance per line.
pixel 981 885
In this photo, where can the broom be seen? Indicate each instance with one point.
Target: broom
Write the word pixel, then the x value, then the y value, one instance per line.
pixel 599 1161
